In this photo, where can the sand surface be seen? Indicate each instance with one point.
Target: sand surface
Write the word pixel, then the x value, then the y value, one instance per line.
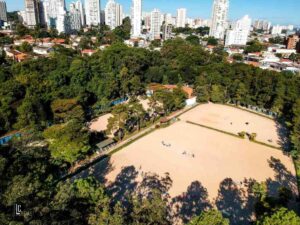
pixel 234 120
pixel 216 157
pixel 202 163
pixel 100 124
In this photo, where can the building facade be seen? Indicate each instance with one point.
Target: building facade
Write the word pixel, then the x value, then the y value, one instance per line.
pixel 181 17
pixel 80 8
pixel 3 11
pixel 292 42
pixel 74 18
pixel 136 18
pixel 239 33
pixel 93 12
pixel 219 18
pixel 155 24
pixel 31 13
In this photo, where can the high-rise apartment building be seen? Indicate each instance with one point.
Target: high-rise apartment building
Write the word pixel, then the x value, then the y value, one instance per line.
pixel 239 33
pixel 262 25
pixel 277 29
pixel 3 11
pixel 110 14
pixel 168 18
pixel 155 24
pixel 31 13
pixel 119 15
pixel 167 31
pixel 80 8
pixel 219 18
pixel 136 18
pixel 292 42
pixel 93 12
pixel 74 18
pixel 113 14
pixel 181 17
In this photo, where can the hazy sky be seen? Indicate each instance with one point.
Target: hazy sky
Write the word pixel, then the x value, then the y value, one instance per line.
pixel 277 11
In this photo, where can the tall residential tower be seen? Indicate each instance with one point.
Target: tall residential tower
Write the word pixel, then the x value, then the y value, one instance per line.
pixel 181 17
pixel 136 18
pixel 219 18
pixel 93 12
pixel 3 11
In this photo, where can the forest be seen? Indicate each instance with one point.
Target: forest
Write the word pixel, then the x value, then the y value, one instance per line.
pixel 53 99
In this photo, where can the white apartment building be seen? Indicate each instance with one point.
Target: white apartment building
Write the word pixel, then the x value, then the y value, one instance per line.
pixel 74 18
pixel 239 33
pixel 136 18
pixel 119 15
pixel 3 11
pixel 155 24
pixel 219 18
pixel 31 13
pixel 80 8
pixel 110 14
pixel 93 12
pixel 113 14
pixel 276 30
pixel 168 19
pixel 181 17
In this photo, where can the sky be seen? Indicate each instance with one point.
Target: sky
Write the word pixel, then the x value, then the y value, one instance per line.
pixel 282 12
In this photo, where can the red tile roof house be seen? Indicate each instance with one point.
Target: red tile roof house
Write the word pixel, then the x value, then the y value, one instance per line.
pixel 88 52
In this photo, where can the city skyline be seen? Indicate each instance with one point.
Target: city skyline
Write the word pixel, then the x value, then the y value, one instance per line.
pixel 272 10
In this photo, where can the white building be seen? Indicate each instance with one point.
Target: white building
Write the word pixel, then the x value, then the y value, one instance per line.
pixel 80 8
pixel 74 18
pixel 168 19
pixel 110 14
pixel 55 14
pixel 31 13
pixel 3 11
pixel 119 15
pixel 113 14
pixel 155 24
pixel 136 18
pixel 181 17
pixel 219 18
pixel 93 12
pixel 239 33
pixel 276 30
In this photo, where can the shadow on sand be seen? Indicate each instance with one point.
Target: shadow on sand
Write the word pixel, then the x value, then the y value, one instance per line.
pixel 235 198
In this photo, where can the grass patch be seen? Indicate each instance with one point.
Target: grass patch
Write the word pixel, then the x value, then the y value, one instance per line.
pixel 234 135
pixel 214 129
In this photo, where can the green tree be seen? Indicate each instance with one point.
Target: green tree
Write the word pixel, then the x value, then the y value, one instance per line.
pixel 217 94
pixel 211 217
pixel 281 217
pixel 193 39
pixel 151 210
pixel 68 141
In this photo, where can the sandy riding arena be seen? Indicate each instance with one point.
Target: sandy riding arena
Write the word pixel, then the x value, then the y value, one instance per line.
pixel 207 168
pixel 233 120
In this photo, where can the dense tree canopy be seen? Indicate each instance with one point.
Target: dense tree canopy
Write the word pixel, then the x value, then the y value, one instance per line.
pixel 50 100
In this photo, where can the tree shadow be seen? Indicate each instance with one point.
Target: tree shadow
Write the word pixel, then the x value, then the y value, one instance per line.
pixel 283 134
pixel 124 185
pixel 283 178
pixel 152 181
pixel 235 201
pixel 191 203
pixel 98 169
